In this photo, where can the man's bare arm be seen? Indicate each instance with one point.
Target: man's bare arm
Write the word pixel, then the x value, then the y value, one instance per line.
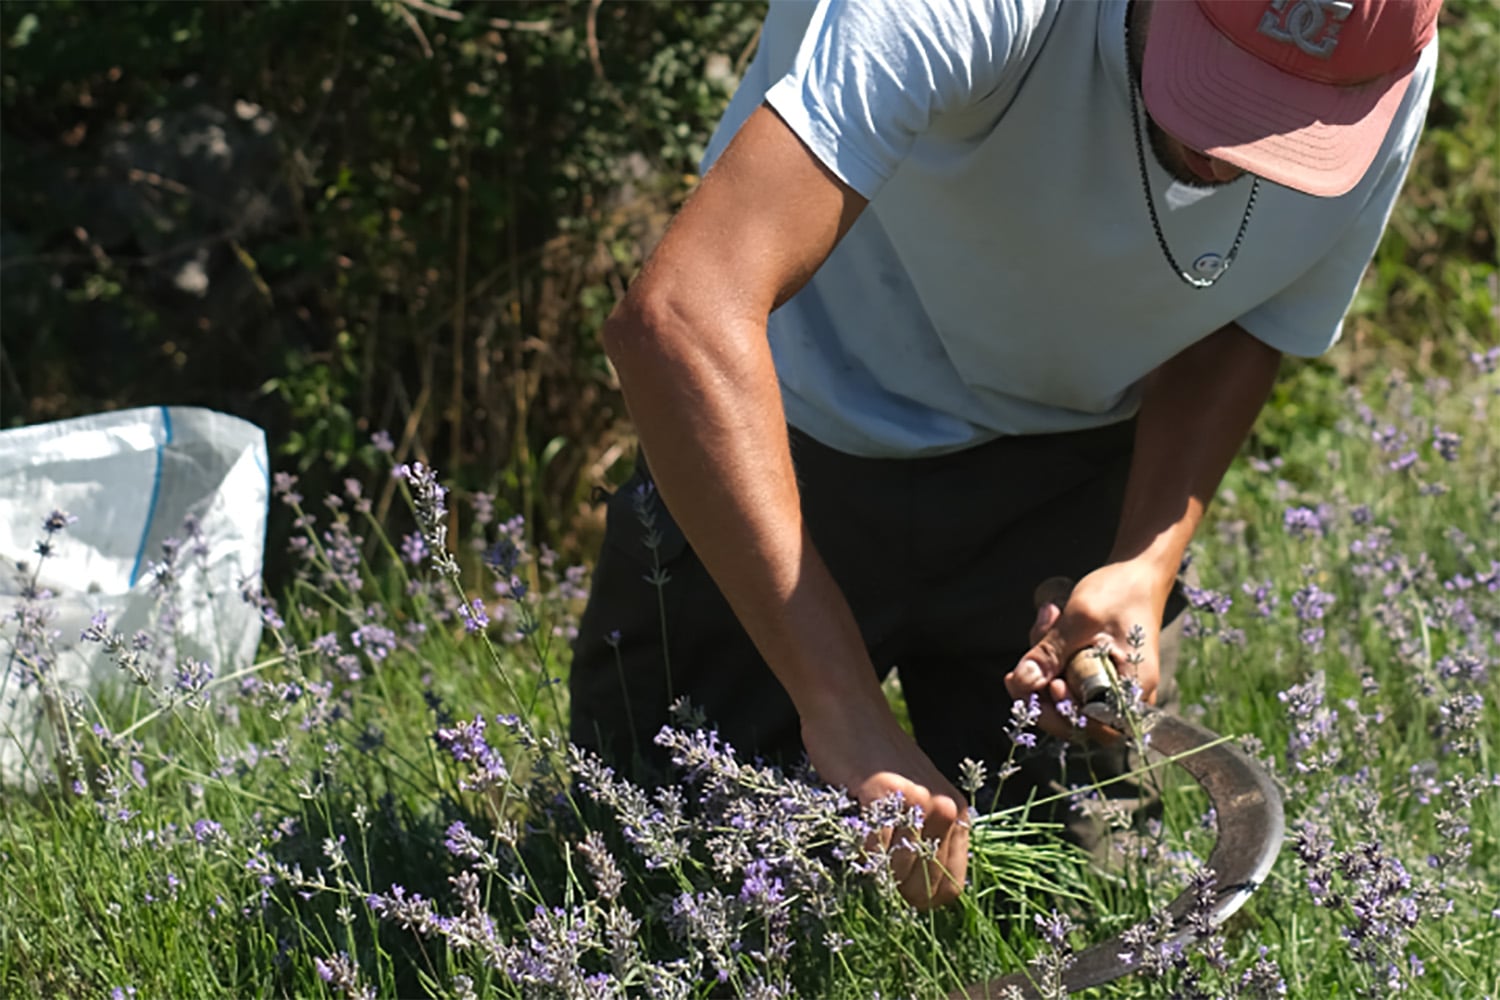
pixel 689 342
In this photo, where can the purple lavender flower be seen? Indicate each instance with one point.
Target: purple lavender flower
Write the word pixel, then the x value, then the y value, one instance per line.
pixel 192 677
pixel 483 505
pixel 655 828
pixel 1150 946
pixel 1460 716
pixel 341 554
pixel 250 593
pixel 1208 600
pixel 1023 717
pixel 413 548
pixel 377 641
pixel 1465 668
pixel 574 584
pixel 1054 928
pixel 474 616
pixel 1311 603
pixel 762 891
pixel 327 645
pixel 410 911
pixel 97 630
pixel 1446 444
pixel 284 485
pixel 466 743
pixel 461 843
pixel 554 955
pixel 708 917
pixel 502 557
pixel 601 865
pixel 1049 966
pixel 1263 979
pixel 429 498
pixel 1312 744
pixel 1071 712
pixel 128 656
pixel 206 831
pixel 1388 437
pixel 340 972
pixel 1303 522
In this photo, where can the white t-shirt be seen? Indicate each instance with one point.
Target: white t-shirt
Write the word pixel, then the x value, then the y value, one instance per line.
pixel 1005 278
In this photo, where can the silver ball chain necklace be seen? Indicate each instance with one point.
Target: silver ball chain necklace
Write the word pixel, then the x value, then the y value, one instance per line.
pixel 1192 281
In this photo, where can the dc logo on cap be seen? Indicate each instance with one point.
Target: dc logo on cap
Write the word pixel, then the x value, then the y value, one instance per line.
pixel 1311 25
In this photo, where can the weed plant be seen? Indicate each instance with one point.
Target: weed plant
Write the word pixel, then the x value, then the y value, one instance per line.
pixel 382 806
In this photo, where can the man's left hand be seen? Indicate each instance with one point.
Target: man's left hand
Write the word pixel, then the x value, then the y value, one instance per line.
pixel 1104 607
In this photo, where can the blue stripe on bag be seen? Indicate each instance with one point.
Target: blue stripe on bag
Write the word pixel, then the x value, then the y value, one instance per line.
pixel 140 552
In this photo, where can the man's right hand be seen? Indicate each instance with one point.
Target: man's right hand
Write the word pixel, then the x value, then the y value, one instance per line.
pixel 869 754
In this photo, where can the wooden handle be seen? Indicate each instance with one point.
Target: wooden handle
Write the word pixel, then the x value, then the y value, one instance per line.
pixel 1088 676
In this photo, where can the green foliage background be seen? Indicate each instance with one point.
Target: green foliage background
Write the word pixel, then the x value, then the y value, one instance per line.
pixel 457 199
pixel 442 207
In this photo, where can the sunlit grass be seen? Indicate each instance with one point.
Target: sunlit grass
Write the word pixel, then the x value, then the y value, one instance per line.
pixel 332 820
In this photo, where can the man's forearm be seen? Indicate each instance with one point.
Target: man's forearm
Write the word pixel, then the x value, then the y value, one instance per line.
pixel 703 394
pixel 690 344
pixel 1196 411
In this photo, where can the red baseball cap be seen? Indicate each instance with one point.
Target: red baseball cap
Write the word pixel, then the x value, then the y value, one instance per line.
pixel 1300 92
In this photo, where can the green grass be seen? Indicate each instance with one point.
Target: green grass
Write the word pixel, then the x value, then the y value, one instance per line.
pixel 323 793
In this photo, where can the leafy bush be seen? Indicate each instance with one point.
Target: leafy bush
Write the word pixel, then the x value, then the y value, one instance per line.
pixel 330 218
pixel 333 217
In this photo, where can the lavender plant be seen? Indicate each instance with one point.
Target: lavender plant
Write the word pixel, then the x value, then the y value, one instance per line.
pixel 379 805
pixel 1371 626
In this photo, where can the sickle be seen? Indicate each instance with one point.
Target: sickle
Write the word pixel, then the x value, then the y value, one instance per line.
pixel 1244 798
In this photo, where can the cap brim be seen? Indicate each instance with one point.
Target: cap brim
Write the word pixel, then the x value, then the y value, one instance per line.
pixel 1224 102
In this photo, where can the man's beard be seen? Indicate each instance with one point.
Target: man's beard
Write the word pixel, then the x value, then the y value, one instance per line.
pixel 1163 147
pixel 1170 160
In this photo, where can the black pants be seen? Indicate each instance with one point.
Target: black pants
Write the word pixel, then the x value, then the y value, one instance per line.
pixel 938 558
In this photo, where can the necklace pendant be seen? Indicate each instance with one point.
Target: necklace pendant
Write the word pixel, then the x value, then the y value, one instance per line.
pixel 1208 265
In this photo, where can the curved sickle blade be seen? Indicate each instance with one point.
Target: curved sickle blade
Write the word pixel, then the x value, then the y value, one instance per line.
pixel 1251 828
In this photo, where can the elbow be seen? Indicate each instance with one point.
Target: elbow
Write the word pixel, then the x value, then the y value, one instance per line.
pixel 624 332
pixel 653 331
pixel 683 337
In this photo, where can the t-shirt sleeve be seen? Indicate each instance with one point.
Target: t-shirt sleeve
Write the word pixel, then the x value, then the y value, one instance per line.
pixel 872 75
pixel 1307 317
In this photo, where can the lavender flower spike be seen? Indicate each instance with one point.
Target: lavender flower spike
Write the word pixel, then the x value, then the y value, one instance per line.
pixel 429 497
